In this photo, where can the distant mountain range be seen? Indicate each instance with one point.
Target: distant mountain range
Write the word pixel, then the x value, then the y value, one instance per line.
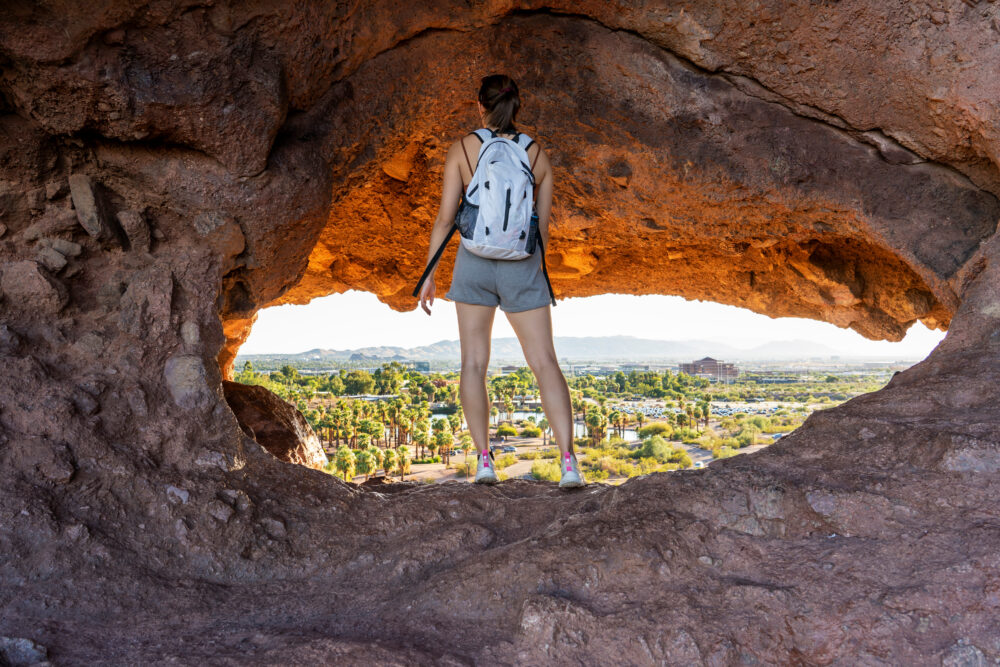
pixel 597 348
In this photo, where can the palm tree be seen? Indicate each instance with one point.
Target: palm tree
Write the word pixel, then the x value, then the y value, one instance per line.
pixel 443 441
pixel 403 461
pixel 344 460
pixel 543 424
pixel 597 424
pixel 376 455
pixel 613 418
pixel 388 461
pixel 466 445
pixel 363 463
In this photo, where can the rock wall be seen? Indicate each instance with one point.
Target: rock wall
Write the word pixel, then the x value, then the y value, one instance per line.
pixel 166 171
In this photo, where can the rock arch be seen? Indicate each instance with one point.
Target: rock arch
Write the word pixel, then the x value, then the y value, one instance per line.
pixel 168 172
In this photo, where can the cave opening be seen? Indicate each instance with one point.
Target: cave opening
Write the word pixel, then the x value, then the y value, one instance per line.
pixel 349 386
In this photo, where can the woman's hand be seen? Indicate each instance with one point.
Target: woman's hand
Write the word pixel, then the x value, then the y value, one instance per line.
pixel 427 294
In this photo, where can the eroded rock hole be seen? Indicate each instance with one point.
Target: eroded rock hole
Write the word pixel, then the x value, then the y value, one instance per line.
pixel 379 413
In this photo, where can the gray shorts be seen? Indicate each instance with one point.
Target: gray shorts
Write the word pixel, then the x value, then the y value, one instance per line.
pixel 512 284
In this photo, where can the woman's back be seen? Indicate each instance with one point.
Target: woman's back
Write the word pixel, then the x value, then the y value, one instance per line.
pixel 470 147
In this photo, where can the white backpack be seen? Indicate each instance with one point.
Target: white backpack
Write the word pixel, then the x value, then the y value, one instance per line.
pixel 496 216
pixel 498 220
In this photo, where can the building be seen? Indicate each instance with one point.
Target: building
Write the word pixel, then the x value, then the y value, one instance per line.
pixel 419 366
pixel 710 368
pixel 507 370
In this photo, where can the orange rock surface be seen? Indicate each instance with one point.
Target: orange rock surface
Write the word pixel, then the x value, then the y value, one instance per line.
pixel 169 169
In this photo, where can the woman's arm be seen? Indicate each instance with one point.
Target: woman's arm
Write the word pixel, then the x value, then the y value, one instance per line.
pixel 451 190
pixel 543 193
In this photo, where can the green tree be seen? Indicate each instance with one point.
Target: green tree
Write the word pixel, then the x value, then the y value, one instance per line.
pixel 388 461
pixel 443 440
pixel 363 463
pixel 543 424
pixel 359 382
pixel 344 461
pixel 465 443
pixel 403 461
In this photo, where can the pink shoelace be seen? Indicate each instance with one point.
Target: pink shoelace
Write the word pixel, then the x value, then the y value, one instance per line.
pixel 568 466
pixel 486 458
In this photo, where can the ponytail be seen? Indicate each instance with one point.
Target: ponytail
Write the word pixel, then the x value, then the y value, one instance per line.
pixel 499 96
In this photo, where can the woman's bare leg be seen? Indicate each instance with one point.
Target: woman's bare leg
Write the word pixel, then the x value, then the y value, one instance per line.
pixel 475 326
pixel 534 330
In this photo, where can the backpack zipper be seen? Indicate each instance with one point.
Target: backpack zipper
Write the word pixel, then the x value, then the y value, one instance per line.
pixel 506 210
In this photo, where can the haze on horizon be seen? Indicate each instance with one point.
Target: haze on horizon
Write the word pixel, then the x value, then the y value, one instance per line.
pixel 357 319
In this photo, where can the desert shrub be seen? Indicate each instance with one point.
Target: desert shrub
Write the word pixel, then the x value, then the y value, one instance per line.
pixel 582 442
pixel 465 469
pixel 655 447
pixel 506 430
pixel 505 461
pixel 724 452
pixel 656 428
pixel 596 475
pixel 546 471
pixel 686 435
pixel 531 432
pixel 529 456
pixel 550 453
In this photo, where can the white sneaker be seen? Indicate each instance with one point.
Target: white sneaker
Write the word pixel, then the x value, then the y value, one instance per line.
pixel 571 475
pixel 485 468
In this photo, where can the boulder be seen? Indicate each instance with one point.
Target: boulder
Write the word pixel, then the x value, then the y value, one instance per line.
pixel 90 208
pixel 186 379
pixel 275 424
pixel 136 229
pixel 28 287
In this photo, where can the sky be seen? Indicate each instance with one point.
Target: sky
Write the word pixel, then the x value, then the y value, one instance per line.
pixel 368 322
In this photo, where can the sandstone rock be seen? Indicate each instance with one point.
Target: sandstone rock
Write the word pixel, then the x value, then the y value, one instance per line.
pixel 90 344
pixel 747 182
pixel 136 229
pixel 56 189
pixel 275 424
pixel 190 334
pixel 136 399
pixel 219 511
pixel 185 376
pixel 62 246
pixel 177 495
pixel 52 260
pixel 22 652
pixel 27 287
pixel 146 303
pixel 35 198
pixel 236 499
pixel 3 229
pixel 401 164
pixel 85 403
pixel 222 232
pixel 90 207
pixel 273 527
pixel 55 220
pixel 9 340
pixel 110 293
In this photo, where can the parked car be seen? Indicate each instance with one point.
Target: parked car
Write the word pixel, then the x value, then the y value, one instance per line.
pixel 508 448
pixel 699 465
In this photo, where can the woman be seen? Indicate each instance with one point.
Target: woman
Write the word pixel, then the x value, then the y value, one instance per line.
pixel 519 287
